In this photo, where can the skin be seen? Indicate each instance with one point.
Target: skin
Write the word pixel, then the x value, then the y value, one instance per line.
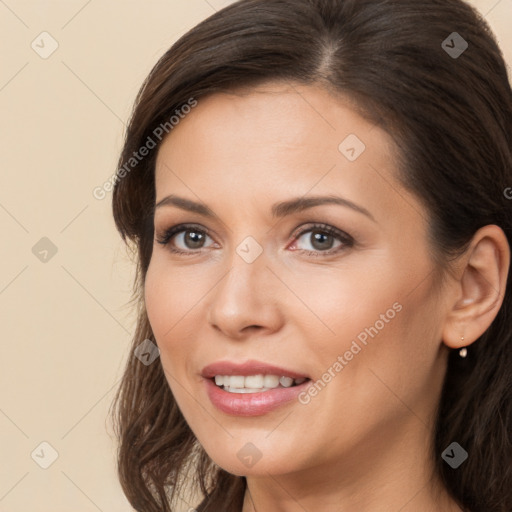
pixel 362 443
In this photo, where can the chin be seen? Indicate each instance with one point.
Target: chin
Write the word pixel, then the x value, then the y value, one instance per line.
pixel 256 466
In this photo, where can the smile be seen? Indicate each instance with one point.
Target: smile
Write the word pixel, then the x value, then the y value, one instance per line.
pixel 255 383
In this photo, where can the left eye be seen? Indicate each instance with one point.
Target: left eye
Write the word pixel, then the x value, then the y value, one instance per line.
pixel 322 239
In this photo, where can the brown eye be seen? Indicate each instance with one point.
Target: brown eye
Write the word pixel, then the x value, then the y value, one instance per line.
pixel 184 239
pixel 193 239
pixel 323 239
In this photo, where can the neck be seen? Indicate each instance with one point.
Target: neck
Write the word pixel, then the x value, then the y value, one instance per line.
pixel 392 473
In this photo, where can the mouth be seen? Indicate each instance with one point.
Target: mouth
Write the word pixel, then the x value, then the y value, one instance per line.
pixel 252 388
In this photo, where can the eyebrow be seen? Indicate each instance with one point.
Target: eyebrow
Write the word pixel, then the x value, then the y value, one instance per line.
pixel 282 209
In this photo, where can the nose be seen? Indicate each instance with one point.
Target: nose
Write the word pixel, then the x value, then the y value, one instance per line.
pixel 246 300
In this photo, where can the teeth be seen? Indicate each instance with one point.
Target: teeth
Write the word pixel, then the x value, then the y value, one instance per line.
pixel 246 390
pixel 286 381
pixel 255 383
pixel 235 381
pixel 271 381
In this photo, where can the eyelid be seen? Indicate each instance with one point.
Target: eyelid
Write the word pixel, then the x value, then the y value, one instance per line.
pixel 320 226
pixel 169 233
pixel 346 240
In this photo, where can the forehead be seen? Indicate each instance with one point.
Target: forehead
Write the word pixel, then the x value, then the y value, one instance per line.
pixel 299 128
pixel 276 141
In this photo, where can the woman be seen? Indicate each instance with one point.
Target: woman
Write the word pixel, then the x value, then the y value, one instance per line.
pixel 371 374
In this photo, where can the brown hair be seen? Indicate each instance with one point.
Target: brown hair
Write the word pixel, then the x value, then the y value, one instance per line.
pixel 451 119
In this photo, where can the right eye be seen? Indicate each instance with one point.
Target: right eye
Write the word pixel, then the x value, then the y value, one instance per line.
pixel 189 237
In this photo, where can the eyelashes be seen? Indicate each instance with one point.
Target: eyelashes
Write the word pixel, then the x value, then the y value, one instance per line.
pixel 180 228
pixel 199 234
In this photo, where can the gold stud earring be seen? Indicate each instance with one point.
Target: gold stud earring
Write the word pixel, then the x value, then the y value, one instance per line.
pixel 463 352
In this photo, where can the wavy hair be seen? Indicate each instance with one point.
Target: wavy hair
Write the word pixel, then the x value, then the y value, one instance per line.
pixel 450 117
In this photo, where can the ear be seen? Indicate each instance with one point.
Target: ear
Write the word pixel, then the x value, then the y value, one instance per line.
pixel 480 287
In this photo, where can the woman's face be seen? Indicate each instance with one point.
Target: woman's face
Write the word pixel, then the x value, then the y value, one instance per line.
pixel 353 309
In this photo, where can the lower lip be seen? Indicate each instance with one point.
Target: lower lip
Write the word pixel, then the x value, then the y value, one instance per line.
pixel 251 404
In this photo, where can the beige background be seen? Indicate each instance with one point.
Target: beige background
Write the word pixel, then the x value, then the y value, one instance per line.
pixel 66 324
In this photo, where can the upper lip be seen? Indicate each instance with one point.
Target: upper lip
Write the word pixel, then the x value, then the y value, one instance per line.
pixel 251 367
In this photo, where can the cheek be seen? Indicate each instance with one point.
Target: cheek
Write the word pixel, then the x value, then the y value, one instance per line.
pixel 170 294
pixel 173 300
pixel 165 307
pixel 381 355
pixel 373 316
pixel 343 302
pixel 158 296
